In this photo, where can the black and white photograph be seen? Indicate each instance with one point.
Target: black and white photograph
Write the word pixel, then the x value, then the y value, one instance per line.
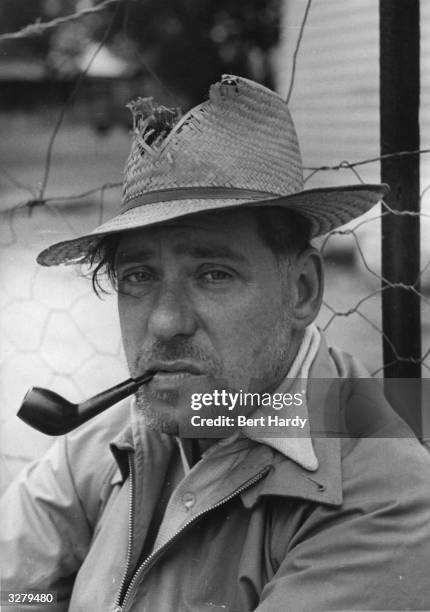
pixel 214 305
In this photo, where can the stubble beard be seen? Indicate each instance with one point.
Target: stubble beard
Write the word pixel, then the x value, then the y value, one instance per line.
pixel 166 417
pixel 277 360
pixel 165 421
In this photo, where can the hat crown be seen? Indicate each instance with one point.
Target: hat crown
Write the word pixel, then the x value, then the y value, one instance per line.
pixel 241 137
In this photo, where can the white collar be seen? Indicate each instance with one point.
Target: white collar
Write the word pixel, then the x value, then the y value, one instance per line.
pixel 300 449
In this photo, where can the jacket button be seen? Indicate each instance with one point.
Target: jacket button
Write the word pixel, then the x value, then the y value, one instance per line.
pixel 188 500
pixel 117 609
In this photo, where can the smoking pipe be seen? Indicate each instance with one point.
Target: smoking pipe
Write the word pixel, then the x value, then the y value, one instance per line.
pixel 51 414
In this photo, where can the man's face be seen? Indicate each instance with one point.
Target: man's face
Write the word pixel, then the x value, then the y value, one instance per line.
pixel 204 302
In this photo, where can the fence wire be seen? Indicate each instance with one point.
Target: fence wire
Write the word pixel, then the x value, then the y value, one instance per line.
pixel 56 333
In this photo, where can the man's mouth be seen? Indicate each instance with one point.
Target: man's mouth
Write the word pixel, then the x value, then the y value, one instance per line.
pixel 168 375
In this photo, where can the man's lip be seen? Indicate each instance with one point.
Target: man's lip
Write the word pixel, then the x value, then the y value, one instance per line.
pixel 174 367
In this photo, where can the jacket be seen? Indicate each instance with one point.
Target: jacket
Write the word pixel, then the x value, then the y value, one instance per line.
pixel 268 536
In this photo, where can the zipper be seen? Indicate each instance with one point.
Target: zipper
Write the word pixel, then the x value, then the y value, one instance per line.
pixel 118 607
pixel 121 606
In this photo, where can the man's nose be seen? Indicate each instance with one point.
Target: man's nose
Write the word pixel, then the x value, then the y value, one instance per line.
pixel 172 314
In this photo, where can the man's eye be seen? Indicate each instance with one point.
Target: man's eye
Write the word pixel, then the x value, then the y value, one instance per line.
pixel 216 276
pixel 137 277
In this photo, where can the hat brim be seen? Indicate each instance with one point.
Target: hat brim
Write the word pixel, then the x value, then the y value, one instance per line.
pixel 326 209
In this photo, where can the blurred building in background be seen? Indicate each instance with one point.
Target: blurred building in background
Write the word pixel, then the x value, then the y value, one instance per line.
pixel 335 104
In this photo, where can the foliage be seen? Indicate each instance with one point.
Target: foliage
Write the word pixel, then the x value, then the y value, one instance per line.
pixel 183 44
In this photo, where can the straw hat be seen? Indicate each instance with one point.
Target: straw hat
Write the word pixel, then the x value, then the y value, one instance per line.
pixel 239 148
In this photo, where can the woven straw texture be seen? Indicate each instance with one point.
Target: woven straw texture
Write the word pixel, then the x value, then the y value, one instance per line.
pixel 232 139
pixel 242 138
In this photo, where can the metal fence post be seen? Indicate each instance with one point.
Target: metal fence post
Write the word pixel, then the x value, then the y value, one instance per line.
pixel 399 111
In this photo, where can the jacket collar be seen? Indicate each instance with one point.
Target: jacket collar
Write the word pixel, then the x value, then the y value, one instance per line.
pixel 289 478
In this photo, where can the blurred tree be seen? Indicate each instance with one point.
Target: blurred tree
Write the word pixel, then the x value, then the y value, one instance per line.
pixel 169 49
pixel 182 44
pixel 189 43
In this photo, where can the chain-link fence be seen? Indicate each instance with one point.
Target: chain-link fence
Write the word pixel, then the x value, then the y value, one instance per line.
pixel 56 333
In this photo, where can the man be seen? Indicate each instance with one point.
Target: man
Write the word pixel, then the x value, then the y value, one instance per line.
pixel 162 508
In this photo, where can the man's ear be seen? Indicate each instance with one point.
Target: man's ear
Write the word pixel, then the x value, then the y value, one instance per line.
pixel 308 277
